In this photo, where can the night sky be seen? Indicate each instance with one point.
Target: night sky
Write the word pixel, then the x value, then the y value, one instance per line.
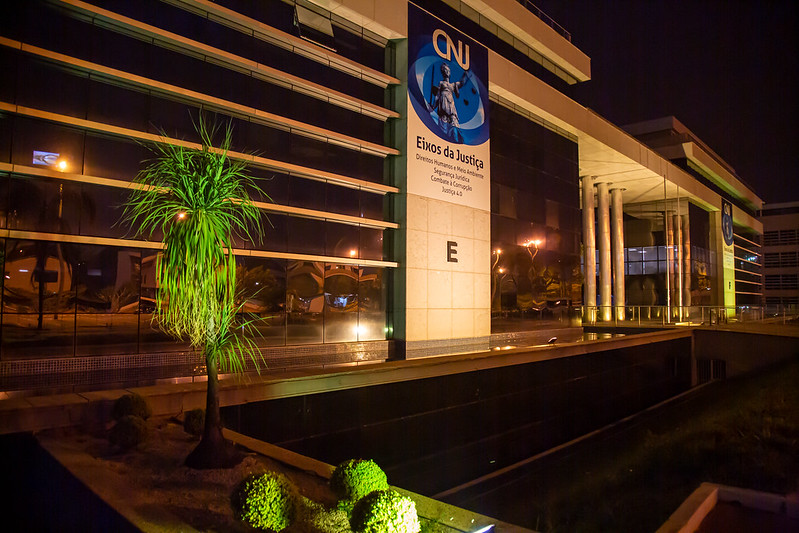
pixel 725 69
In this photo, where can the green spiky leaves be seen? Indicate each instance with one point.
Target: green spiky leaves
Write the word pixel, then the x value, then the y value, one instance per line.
pixel 198 198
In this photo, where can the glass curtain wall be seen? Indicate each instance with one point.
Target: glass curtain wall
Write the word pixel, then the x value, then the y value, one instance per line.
pixel 71 284
pixel 535 224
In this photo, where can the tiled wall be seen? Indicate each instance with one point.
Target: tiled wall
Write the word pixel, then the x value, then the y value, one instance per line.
pixel 445 299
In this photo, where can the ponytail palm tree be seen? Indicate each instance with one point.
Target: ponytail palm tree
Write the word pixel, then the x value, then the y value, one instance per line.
pixel 198 198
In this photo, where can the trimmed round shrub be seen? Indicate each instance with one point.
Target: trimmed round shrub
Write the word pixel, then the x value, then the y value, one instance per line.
pixel 266 501
pixel 128 432
pixel 355 478
pixel 194 422
pixel 131 404
pixel 385 511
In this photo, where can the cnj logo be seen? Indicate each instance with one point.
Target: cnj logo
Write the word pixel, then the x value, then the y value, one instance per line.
pixel 450 50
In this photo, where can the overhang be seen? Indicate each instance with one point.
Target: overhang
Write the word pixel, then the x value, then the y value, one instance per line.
pixel 605 150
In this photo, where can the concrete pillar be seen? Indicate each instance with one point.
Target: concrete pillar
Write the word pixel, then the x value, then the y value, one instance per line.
pixel 678 267
pixel 589 251
pixel 617 232
pixel 669 264
pixel 686 261
pixel 603 243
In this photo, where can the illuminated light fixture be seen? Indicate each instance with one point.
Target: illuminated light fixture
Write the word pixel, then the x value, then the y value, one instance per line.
pixel 501 270
pixel 485 529
pixel 353 253
pixel 181 215
pixel 497 251
pixel 61 165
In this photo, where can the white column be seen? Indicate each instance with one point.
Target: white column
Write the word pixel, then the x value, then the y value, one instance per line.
pixel 686 261
pixel 617 231
pixel 589 251
pixel 669 264
pixel 676 223
pixel 603 243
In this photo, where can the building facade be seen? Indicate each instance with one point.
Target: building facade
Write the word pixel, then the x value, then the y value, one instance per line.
pixel 781 256
pixel 425 180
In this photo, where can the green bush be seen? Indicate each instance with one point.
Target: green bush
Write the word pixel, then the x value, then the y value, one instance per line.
pixel 266 501
pixel 194 421
pixel 131 404
pixel 355 478
pixel 128 432
pixel 385 511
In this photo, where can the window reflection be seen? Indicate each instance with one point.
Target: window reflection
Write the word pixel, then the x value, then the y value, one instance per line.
pixel 372 304
pixel 107 282
pixel 341 303
pixel 41 204
pixel 261 291
pixel 38 299
pixel 304 302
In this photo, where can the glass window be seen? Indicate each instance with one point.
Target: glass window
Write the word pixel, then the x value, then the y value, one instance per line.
pixel 371 205
pixel 270 186
pixel 3 201
pixel 341 303
pixel 304 302
pixel 44 145
pixel 275 228
pixel 372 304
pixel 38 299
pixel 306 236
pixel 111 103
pixel 261 290
pixel 6 129
pixel 107 294
pixel 151 338
pixel 41 204
pixel 342 240
pixel 113 157
pixel 634 269
pixel 173 118
pixel 101 211
pixel 309 194
pixel 37 79
pixel 372 244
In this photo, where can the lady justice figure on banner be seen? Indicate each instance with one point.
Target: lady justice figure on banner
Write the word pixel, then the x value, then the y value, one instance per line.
pixel 442 100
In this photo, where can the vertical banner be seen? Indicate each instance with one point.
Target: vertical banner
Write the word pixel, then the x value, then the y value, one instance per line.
pixel 726 222
pixel 728 255
pixel 448 136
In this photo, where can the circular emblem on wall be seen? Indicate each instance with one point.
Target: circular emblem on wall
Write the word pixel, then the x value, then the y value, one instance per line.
pixel 450 100
pixel 726 223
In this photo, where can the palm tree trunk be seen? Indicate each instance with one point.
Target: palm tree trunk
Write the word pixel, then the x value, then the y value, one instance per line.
pixel 213 451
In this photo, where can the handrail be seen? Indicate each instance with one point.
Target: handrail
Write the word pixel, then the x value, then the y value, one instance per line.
pixel 692 315
pixel 532 8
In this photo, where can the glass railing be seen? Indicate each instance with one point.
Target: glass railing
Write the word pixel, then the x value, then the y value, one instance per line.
pixel 695 315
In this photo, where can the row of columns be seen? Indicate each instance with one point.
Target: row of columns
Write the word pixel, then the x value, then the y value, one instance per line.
pixel 608 235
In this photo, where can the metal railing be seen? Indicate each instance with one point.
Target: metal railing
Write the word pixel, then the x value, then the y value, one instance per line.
pixel 532 8
pixel 694 315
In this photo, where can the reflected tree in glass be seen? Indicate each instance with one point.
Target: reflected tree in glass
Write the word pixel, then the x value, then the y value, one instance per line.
pixel 198 198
